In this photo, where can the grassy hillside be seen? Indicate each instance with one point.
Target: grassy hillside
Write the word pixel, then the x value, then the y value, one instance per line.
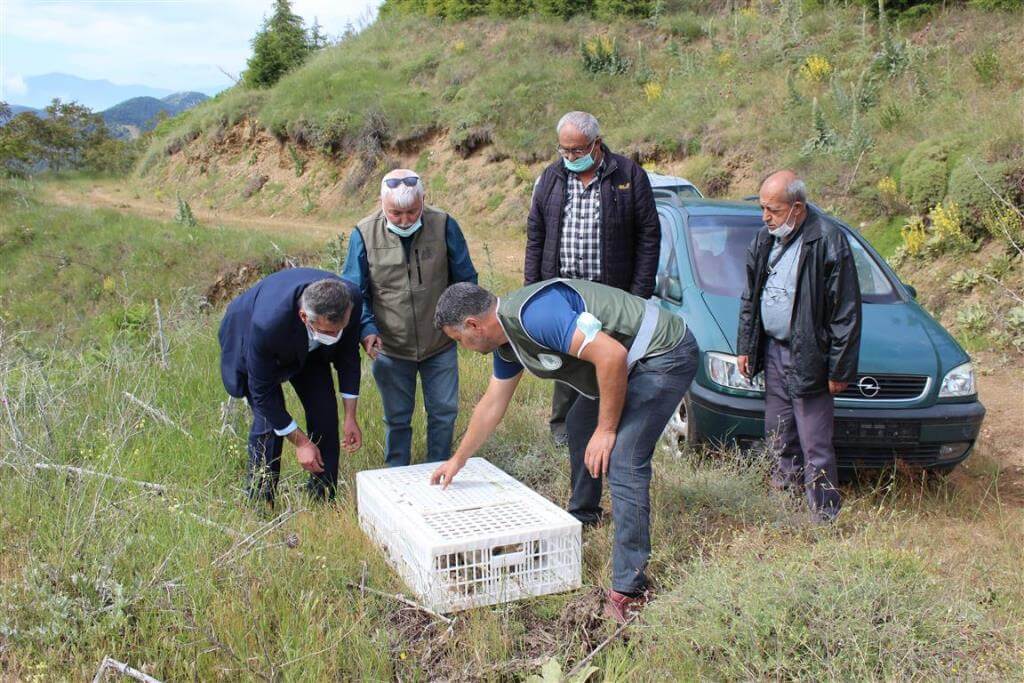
pixel 885 121
pixel 721 97
pixel 918 580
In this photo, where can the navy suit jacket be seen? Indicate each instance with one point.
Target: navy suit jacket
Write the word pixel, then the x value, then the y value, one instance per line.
pixel 264 343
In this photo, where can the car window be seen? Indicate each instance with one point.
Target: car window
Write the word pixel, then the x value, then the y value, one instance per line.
pixel 875 287
pixel 718 245
pixel 668 286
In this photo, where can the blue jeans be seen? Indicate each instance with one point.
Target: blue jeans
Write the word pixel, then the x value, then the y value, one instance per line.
pixel 396 382
pixel 656 386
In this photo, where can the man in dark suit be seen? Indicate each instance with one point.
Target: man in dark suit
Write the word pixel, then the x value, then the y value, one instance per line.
pixel 291 327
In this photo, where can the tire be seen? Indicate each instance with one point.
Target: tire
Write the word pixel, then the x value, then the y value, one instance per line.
pixel 682 426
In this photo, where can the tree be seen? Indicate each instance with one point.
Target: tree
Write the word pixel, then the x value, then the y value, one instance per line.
pixel 69 130
pixel 279 46
pixel 317 38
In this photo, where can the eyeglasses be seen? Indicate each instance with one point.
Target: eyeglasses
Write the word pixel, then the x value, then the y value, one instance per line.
pixel 411 181
pixel 576 151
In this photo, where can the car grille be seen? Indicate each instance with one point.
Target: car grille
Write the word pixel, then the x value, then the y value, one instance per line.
pixel 886 387
pixel 849 455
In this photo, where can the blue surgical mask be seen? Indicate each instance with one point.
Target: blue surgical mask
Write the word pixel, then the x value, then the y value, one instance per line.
pixel 581 164
pixel 405 231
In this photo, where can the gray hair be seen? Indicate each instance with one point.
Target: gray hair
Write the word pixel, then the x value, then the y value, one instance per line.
pixel 403 196
pixel 796 191
pixel 581 121
pixel 328 299
pixel 460 301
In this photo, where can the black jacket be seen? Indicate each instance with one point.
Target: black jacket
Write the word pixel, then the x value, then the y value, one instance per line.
pixel 825 328
pixel 630 230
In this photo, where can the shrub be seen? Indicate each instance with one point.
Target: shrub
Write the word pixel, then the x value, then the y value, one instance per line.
pixel 889 194
pixel 653 91
pixel 1007 225
pixel 974 318
pixel 635 9
pixel 965 280
pixel 687 27
pixel 986 66
pixel 971 185
pixel 602 55
pixel 816 69
pixel 923 175
pixel 185 216
pixel 914 236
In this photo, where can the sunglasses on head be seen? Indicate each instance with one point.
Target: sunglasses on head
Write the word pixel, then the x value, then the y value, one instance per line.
pixel 411 181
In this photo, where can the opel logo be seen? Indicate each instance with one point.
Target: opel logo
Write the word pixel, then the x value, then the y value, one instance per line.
pixel 869 386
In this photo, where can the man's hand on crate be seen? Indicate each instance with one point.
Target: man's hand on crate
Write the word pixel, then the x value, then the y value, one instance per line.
pixel 446 472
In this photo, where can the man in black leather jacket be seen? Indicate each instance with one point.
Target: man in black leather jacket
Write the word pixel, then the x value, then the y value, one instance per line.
pixel 800 320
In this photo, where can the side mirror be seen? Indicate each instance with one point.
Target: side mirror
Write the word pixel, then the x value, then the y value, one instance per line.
pixel 912 289
pixel 672 290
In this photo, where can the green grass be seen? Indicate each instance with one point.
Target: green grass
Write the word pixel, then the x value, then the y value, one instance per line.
pixel 918 580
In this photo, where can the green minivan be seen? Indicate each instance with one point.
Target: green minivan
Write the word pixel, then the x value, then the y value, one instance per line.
pixel 914 400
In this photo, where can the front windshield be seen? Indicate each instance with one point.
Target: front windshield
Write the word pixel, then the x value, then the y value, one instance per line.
pixel 718 251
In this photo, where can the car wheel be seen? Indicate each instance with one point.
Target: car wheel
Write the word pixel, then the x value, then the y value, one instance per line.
pixel 682 426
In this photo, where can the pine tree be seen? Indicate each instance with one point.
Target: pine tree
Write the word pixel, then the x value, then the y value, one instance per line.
pixel 279 46
pixel 317 37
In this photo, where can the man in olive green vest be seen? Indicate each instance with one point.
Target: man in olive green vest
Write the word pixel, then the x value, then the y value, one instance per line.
pixel 631 362
pixel 402 257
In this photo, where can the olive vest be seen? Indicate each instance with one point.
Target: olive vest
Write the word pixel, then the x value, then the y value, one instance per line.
pixel 630 320
pixel 405 284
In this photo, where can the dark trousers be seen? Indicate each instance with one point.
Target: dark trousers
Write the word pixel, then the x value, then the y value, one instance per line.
pixel 656 386
pixel 315 388
pixel 799 429
pixel 562 398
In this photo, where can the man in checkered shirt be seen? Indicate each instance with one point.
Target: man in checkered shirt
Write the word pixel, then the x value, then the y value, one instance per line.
pixel 593 218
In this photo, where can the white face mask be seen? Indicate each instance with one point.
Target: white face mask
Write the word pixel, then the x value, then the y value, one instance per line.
pixel 783 230
pixel 325 339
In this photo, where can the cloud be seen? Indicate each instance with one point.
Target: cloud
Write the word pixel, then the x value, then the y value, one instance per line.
pixel 163 44
pixel 13 84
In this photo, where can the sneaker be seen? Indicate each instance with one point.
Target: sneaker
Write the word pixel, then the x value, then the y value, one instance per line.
pixel 621 607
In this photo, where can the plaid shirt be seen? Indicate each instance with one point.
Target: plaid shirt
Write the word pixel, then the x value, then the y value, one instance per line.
pixel 579 251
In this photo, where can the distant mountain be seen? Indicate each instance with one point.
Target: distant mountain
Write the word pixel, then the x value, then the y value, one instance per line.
pixel 18 109
pixel 95 94
pixel 131 117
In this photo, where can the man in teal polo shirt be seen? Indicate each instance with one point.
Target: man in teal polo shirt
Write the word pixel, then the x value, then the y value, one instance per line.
pixel 631 362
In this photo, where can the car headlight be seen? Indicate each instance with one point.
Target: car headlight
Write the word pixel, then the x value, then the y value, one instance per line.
pixel 723 370
pixel 958 382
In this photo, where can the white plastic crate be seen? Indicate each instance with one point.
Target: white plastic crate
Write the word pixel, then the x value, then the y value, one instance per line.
pixel 485 539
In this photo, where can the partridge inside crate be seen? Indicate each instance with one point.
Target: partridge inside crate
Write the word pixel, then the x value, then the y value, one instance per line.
pixel 485 539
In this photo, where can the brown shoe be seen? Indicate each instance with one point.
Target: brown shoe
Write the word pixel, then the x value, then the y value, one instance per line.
pixel 621 607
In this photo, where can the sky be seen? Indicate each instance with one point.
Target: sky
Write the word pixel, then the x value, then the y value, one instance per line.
pixel 172 44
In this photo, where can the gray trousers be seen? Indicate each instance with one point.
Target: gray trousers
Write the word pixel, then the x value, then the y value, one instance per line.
pixel 656 386
pixel 799 429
